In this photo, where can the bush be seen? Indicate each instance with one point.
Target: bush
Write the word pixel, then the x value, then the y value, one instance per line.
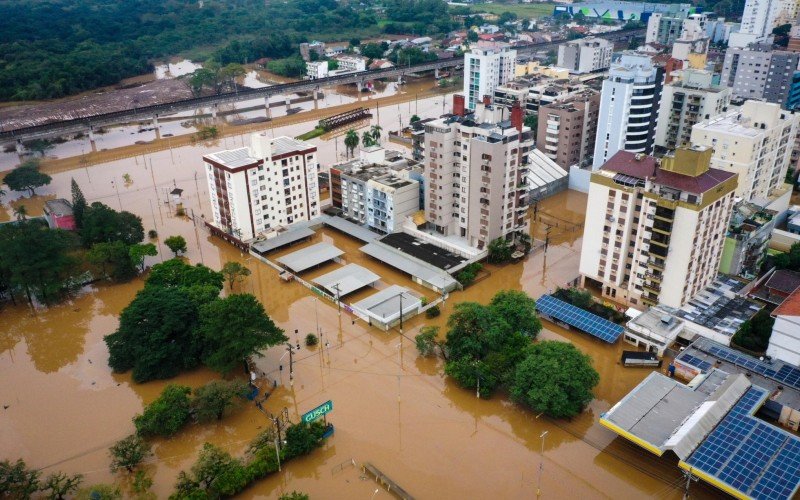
pixel 469 273
pixel 166 415
pixel 754 334
pixel 433 312
pixel 426 340
pixel 303 438
pixel 212 400
pixel 500 251
pixel 152 234
pixel 311 340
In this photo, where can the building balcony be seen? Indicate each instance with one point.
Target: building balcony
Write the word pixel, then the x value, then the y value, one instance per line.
pixel 655 264
pixel 653 288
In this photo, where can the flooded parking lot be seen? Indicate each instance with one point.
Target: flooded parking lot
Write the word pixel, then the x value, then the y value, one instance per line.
pixel 391 408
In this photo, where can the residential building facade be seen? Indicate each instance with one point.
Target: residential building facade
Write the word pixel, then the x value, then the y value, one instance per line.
pixel 663 29
pixel 628 108
pixel 747 240
pixel 475 169
pixel 257 189
pixel 784 343
pixel 754 142
pixel 566 130
pixel 758 72
pixel 585 55
pixel 654 229
pixel 487 66
pixel 316 69
pixel 685 102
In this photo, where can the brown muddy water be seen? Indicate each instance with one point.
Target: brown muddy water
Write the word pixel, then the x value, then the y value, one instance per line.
pixel 64 407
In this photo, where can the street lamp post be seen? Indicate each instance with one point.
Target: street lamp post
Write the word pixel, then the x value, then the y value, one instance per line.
pixel 541 467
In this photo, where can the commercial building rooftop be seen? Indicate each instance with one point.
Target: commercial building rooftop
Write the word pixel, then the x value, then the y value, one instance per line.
pixel 423 251
pixel 790 306
pixel 233 158
pixel 718 307
pixel 58 207
pixel 346 280
pixel 310 256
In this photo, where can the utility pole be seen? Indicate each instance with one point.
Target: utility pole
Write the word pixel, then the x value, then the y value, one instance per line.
pixel 541 467
pixel 338 303
pixel 291 364
pixel 401 312
pixel 689 479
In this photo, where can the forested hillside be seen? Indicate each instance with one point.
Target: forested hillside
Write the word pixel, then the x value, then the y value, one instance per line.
pixel 54 48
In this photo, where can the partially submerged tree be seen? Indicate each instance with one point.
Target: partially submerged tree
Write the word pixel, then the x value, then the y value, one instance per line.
pixel 114 259
pixel 177 244
pixel 166 415
pixel 102 224
pixel 139 251
pixel 78 203
pixel 128 453
pixel 17 480
pixel 58 486
pixel 234 272
pixel 214 399
pixel 351 141
pixel 26 177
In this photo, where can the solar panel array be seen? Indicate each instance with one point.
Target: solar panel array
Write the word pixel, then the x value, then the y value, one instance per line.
pixel 750 455
pixel 575 316
pixel 786 374
pixel 694 361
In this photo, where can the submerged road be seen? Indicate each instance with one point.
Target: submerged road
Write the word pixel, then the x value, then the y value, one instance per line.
pixel 148 113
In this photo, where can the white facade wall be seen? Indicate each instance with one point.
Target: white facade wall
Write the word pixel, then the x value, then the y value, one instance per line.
pixel 316 69
pixel 759 16
pixel 486 67
pixel 784 344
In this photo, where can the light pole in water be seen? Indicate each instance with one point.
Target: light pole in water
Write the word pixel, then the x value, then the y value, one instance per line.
pixel 541 467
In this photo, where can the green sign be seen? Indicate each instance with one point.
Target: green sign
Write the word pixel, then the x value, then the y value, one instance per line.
pixel 317 412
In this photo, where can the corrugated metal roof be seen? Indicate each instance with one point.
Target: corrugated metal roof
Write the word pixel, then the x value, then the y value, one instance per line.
pixel 310 256
pixel 347 279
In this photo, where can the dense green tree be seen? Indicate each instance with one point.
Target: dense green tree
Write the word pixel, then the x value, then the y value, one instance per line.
pixel 212 400
pixel 754 334
pixel 35 259
pixel 175 273
pixel 234 272
pixel 233 329
pixel 294 495
pixel 366 139
pixel 555 378
pixel 177 244
pixel 139 251
pixel 472 36
pixel 426 340
pixel 21 213
pixel 216 473
pixel 303 438
pixel 17 480
pixel 128 453
pixel 102 224
pixel 114 260
pixel 58 485
pixel 26 177
pixel 78 203
pixel 167 414
pixel 372 50
pixel 156 336
pixel 500 251
pixel 789 260
pixel 291 66
pixel 519 311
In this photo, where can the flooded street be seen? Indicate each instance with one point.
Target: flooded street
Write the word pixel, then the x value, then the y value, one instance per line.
pixel 391 408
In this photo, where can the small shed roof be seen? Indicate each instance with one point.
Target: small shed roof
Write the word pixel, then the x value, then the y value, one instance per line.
pixel 309 257
pixel 347 279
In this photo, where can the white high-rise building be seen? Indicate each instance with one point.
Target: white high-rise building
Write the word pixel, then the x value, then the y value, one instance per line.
pixel 487 66
pixel 256 190
pixel 655 230
pixel 585 55
pixel 628 108
pixel 755 142
pixel 758 20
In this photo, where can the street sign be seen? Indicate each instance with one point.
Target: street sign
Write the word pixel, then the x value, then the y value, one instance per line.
pixel 317 412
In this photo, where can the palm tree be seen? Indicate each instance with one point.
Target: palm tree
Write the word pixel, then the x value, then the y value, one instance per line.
pixel 367 140
pixel 21 212
pixel 351 141
pixel 375 132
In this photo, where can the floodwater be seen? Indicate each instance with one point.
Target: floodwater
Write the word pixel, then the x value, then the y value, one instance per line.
pixel 243 111
pixel 64 408
pixel 176 69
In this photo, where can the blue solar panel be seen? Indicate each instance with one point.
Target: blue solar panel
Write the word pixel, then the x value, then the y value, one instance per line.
pixel 787 374
pixel 577 317
pixel 750 455
pixel 694 361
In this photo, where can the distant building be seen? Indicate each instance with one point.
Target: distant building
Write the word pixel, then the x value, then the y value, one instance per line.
pixel 663 29
pixel 776 286
pixel 755 142
pixel 487 66
pixel 258 189
pixel 758 72
pixel 686 101
pixel 784 344
pixel 654 230
pixel 567 129
pixel 381 64
pixel 59 215
pixel 585 55
pixel 316 69
pixel 758 18
pixel 316 47
pixel 628 108
pixel 350 63
pixel 747 240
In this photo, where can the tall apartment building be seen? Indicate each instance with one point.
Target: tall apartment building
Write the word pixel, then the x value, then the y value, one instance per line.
pixel 585 55
pixel 654 230
pixel 685 102
pixel 257 189
pixel 487 66
pixel 755 142
pixel 758 72
pixel 663 29
pixel 758 17
pixel 475 169
pixel 567 129
pixel 628 108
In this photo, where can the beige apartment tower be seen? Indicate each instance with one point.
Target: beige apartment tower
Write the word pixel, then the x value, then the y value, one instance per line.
pixel 567 129
pixel 655 229
pixel 475 168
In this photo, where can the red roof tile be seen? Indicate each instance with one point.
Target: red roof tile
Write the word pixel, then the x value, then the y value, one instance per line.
pixel 625 162
pixel 790 306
